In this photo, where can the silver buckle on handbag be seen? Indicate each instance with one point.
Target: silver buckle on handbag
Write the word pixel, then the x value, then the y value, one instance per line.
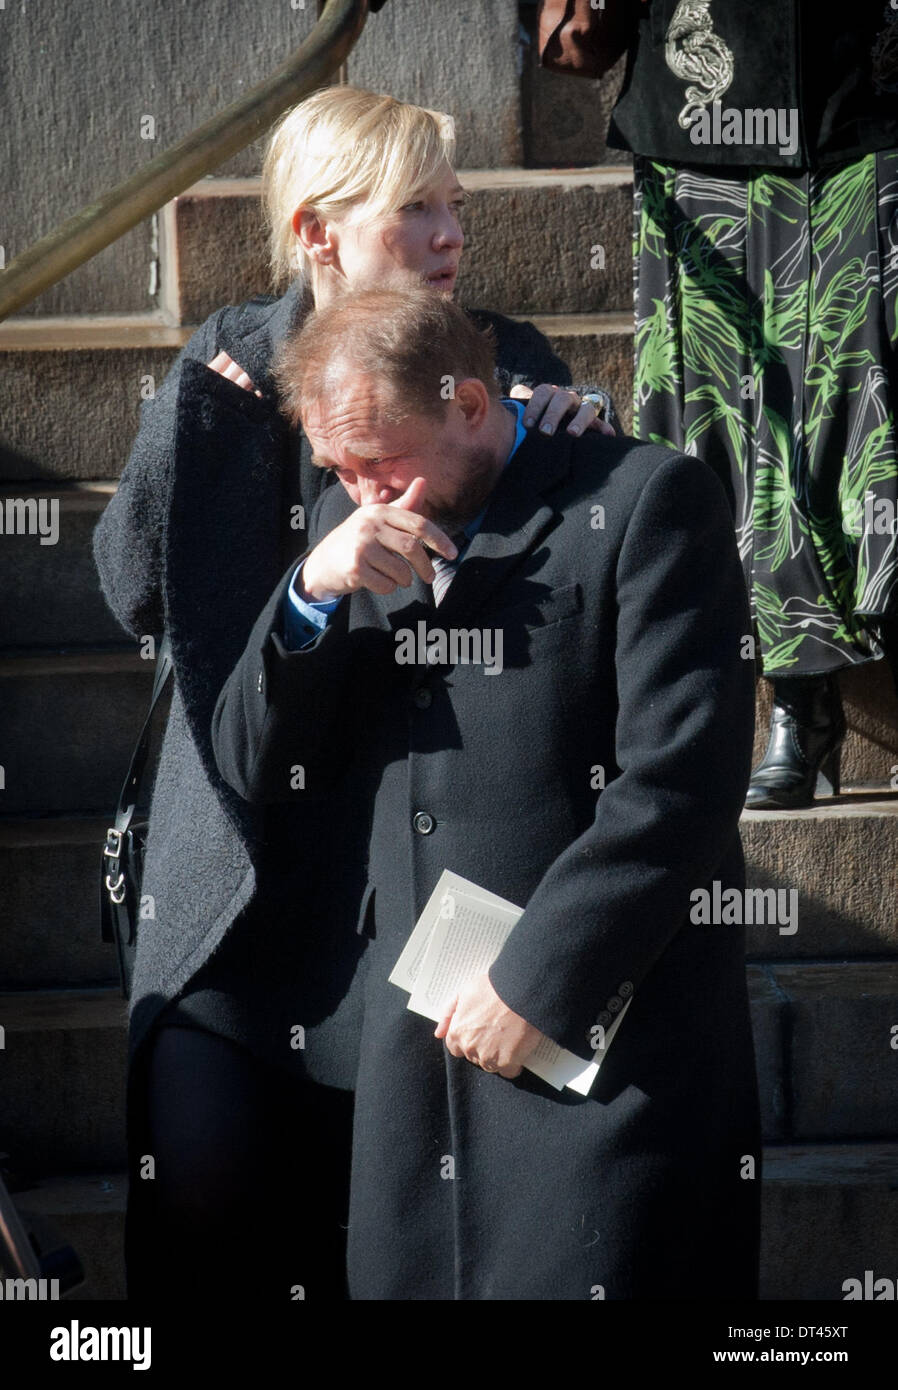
pixel 113 835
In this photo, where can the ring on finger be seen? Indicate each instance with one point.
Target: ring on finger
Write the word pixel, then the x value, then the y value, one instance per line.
pixel 595 400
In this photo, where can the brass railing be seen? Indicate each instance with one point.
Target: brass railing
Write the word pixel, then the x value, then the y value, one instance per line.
pixel 206 148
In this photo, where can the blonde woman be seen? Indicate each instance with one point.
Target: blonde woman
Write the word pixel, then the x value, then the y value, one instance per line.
pixel 241 1064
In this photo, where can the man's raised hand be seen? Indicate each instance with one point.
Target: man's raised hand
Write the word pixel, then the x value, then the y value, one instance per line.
pixel 377 548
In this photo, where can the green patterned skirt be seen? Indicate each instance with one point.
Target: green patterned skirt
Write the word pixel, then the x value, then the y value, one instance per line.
pixel 767 344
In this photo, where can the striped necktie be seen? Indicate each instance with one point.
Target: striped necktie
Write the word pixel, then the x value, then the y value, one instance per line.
pixel 444 570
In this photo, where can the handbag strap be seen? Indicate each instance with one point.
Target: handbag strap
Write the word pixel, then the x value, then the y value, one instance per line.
pixel 127 801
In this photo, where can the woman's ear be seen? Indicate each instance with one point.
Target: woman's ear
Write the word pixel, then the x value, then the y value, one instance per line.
pixel 317 236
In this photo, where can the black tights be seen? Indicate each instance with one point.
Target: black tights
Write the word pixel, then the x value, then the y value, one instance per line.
pixel 250 1192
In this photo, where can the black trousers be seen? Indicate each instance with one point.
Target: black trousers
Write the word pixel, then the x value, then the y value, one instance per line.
pixel 250 1188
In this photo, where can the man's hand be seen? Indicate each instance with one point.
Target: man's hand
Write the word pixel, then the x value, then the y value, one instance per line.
pixel 478 1026
pixel 376 548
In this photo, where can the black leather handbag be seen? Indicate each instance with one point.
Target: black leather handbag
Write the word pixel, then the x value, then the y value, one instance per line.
pixel 121 870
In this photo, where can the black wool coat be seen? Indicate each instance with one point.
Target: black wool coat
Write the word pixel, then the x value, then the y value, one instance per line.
pixel 622 634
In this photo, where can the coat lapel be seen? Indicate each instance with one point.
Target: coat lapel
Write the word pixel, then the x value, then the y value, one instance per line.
pixel 517 517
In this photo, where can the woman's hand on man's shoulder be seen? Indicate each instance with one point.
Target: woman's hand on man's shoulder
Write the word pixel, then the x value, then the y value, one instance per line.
pixel 226 366
pixel 549 405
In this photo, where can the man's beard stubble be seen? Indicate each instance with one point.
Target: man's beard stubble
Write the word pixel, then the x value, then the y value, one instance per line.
pixel 479 478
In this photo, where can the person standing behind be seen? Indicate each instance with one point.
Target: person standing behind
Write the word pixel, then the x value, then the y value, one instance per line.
pixel 765 142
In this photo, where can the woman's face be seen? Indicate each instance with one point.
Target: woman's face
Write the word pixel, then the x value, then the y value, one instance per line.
pixel 421 242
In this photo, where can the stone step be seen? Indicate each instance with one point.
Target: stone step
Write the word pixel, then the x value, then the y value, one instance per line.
pixel 827 1067
pixel 178 78
pixel 74 387
pixel 49 894
pixel 48 578
pixel 77 384
pixel 89 1213
pixel 839 857
pixel 537 241
pixel 63 1063
pixel 829 1212
pixel 68 732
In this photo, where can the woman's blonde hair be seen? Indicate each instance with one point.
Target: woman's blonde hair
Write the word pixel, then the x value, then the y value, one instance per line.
pixel 340 148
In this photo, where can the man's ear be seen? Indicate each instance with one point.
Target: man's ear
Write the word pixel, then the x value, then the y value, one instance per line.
pixel 473 400
pixel 317 236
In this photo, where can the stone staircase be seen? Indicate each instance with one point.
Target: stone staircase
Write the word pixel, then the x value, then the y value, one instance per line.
pixel 73 690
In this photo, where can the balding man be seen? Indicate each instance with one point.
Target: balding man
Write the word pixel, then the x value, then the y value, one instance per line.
pixel 596 780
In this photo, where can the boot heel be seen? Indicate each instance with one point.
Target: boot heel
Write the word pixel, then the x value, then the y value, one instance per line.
pixel 828 778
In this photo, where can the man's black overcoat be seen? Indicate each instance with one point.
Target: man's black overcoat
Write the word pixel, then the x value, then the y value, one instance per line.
pixel 611 569
pixel 201 526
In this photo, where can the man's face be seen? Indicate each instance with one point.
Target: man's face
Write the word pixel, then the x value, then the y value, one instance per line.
pixel 376 459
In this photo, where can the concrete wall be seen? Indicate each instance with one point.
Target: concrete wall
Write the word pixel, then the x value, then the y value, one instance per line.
pixel 78 76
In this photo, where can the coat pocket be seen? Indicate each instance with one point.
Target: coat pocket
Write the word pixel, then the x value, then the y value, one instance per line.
pixel 543 610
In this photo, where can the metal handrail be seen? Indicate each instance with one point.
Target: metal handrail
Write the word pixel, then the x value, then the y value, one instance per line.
pixel 206 148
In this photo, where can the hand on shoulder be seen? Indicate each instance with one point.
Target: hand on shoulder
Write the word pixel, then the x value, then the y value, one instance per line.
pixel 226 366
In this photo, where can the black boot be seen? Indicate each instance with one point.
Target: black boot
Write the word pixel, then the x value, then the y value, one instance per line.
pixel 806 733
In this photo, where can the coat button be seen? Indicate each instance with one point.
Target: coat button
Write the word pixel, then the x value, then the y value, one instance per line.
pixel 604 1019
pixel 626 989
pixel 615 1004
pixel 424 822
pixel 423 697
